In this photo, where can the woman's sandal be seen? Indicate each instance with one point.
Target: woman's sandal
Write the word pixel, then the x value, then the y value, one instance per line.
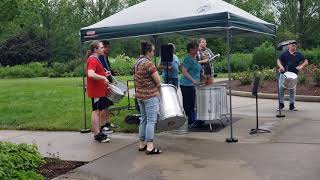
pixel 153 151
pixel 143 149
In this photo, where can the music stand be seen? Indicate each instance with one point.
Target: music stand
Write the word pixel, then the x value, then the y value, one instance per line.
pixel 166 57
pixel 256 82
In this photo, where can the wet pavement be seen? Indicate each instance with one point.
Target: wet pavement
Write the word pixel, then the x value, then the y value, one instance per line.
pixel 289 152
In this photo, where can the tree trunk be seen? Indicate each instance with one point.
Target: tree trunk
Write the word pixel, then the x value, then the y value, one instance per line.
pixel 301 21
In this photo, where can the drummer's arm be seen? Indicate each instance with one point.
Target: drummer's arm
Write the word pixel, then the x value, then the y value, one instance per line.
pixel 95 76
pixel 281 68
pixel 187 75
pixel 305 62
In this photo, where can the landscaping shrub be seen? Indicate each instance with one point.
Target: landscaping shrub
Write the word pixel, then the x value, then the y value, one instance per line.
pixel 245 78
pixel 302 79
pixel 269 74
pixel 31 70
pixel 122 65
pixel 313 56
pixel 316 77
pixel 264 56
pixel 239 63
pixel 19 161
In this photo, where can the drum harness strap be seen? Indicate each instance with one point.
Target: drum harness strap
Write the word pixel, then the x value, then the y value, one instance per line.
pixel 141 59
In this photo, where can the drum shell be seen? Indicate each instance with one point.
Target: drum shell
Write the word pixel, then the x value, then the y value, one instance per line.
pixel 172 115
pixel 211 102
pixel 114 94
pixel 116 90
pixel 290 80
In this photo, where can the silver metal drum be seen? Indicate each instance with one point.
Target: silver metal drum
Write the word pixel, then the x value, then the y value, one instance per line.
pixel 114 93
pixel 290 80
pixel 172 115
pixel 123 87
pixel 116 90
pixel 211 102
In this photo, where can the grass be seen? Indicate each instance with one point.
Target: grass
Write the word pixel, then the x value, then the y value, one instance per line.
pixel 50 104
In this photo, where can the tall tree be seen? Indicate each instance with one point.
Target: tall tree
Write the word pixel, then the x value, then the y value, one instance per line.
pixel 300 18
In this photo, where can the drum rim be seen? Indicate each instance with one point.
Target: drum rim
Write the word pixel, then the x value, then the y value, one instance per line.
pixel 163 85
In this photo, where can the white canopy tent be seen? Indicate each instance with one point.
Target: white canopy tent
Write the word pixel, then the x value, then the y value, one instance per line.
pixel 156 17
pixel 191 17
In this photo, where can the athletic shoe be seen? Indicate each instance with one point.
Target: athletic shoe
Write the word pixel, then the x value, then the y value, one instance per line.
pixel 292 107
pixel 106 130
pixel 101 138
pixel 281 106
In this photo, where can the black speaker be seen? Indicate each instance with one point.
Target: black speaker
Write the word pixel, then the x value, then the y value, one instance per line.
pixel 166 53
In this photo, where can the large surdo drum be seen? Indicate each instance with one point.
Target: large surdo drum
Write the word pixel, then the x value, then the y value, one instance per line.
pixel 211 102
pixel 172 115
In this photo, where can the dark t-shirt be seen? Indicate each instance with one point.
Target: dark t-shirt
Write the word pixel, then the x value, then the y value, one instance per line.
pixel 106 65
pixel 105 62
pixel 291 61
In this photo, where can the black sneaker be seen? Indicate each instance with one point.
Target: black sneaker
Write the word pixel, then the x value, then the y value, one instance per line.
pixel 106 130
pixel 101 138
pixel 292 107
pixel 281 106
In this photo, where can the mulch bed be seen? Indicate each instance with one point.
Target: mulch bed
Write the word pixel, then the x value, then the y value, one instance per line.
pixel 271 87
pixel 56 167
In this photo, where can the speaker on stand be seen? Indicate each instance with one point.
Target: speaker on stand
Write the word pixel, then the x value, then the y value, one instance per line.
pixel 166 58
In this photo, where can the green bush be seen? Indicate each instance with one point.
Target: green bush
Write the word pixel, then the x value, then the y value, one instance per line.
pixel 122 65
pixel 269 74
pixel 245 78
pixel 239 63
pixel 19 161
pixel 313 56
pixel 264 56
pixel 316 77
pixel 302 79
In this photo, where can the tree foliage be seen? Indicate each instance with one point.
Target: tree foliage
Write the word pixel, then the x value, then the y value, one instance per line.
pixel 57 23
pixel 24 48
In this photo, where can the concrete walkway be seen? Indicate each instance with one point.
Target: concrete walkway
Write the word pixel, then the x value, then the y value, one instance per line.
pixel 288 153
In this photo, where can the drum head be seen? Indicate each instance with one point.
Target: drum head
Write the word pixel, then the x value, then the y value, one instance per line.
pixel 290 75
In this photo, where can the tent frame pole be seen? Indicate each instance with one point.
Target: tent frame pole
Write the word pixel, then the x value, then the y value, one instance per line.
pixel 228 39
pixel 85 129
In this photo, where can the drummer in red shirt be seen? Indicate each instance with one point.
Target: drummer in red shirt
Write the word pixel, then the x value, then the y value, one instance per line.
pixel 96 89
pixel 290 61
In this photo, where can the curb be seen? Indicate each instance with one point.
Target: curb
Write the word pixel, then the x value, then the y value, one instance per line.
pixel 275 96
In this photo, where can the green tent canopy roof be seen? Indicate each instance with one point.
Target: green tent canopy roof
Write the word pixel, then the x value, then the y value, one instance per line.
pixel 157 17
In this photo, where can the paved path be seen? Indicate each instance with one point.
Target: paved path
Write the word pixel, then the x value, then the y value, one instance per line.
pixel 288 153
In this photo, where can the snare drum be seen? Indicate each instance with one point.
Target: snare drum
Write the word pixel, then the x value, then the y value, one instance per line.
pixel 290 80
pixel 114 94
pixel 116 90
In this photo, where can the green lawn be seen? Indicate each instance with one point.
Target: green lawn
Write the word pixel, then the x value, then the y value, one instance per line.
pixel 49 104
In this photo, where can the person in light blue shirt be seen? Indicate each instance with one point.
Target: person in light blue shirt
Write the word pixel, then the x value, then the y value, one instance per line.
pixel 170 74
pixel 191 76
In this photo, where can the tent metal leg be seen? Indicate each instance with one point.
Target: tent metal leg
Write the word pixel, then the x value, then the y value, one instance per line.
pixel 231 139
pixel 85 129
